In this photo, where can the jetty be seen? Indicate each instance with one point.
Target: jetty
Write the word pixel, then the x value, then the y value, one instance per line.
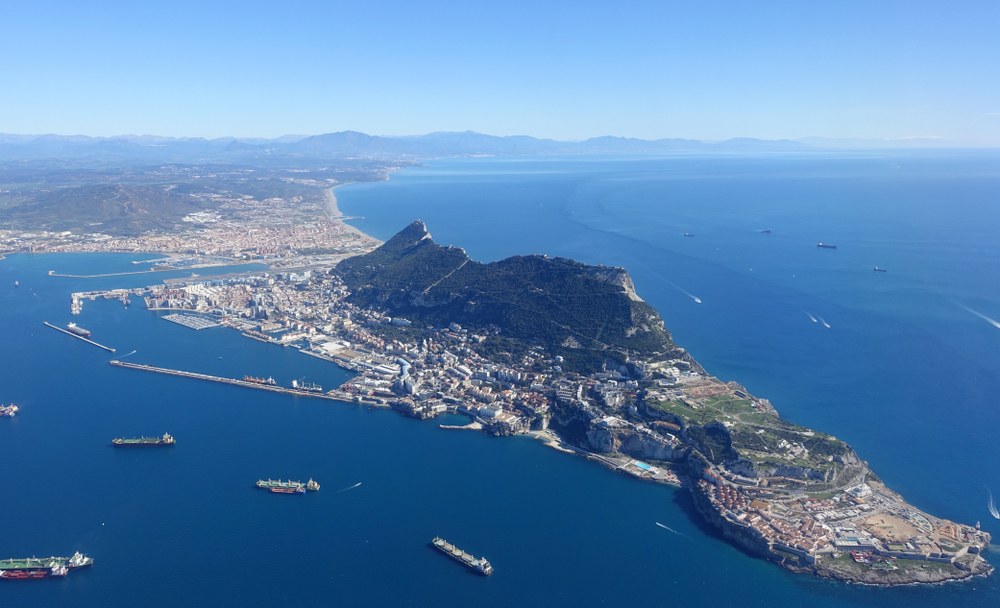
pixel 233 381
pixel 69 333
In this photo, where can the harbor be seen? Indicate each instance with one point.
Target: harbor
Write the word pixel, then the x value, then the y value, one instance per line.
pixel 244 383
pixel 89 341
pixel 191 321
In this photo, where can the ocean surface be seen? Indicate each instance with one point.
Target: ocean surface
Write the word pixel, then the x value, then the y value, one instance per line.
pixel 908 372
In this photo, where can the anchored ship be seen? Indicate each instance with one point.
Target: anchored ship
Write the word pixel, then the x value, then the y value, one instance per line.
pixel 287 487
pixel 766 231
pixel 479 565
pixel 826 246
pixel 46 567
pixel 877 269
pixel 145 441
pixel 269 382
pixel 76 329
pixel 8 411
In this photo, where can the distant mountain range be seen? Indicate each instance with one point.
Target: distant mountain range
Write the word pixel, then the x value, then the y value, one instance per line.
pixel 345 144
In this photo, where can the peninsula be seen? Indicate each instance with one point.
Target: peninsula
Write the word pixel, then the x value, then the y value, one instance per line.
pixel 571 354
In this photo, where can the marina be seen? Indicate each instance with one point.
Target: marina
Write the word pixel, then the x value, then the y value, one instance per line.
pixel 69 333
pixel 191 321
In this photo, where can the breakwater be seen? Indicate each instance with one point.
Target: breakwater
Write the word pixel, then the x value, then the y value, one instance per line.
pixel 69 333
pixel 267 387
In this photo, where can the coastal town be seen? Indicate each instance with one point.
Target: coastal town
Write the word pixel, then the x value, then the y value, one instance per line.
pixel 799 497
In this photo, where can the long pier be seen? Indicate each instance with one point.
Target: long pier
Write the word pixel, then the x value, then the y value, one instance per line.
pixel 69 333
pixel 233 381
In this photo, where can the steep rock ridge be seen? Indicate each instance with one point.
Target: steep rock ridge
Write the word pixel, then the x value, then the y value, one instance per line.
pixel 556 301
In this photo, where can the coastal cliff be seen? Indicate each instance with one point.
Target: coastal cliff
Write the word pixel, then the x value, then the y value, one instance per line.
pixel 531 342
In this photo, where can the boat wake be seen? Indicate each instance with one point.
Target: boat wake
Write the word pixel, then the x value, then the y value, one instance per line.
pixel 811 317
pixel 662 278
pixel 350 488
pixel 825 324
pixel 669 529
pixel 992 507
pixel 132 353
pixel 992 322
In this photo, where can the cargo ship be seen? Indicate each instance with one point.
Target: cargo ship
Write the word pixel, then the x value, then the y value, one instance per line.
pixel 287 487
pixel 766 231
pixel 824 245
pixel 269 382
pixel 46 567
pixel 76 329
pixel 8 411
pixel 877 269
pixel 479 565
pixel 145 441
pixel 306 386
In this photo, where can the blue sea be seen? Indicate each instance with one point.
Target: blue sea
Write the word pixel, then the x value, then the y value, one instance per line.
pixel 908 372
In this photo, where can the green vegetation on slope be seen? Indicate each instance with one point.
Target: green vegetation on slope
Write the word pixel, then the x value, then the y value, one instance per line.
pixel 563 304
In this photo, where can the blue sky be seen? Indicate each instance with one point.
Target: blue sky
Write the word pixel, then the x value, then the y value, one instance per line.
pixel 572 70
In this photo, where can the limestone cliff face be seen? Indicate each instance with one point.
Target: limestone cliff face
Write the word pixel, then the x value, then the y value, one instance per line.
pixel 616 276
pixel 852 468
pixel 634 444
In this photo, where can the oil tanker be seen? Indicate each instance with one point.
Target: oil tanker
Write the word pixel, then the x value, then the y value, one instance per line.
pixel 479 565
pixel 145 441
pixel 47 567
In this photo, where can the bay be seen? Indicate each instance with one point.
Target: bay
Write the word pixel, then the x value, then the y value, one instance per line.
pixel 904 374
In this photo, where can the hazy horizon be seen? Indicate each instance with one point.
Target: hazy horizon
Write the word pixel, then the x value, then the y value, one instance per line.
pixel 709 72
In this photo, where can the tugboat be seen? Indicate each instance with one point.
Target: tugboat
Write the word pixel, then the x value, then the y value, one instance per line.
pixel 479 565
pixel 145 441
pixel 48 567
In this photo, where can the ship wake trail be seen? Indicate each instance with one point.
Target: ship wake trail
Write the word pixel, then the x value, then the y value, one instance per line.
pixel 669 529
pixel 992 322
pixel 992 507
pixel 825 324
pixel 123 356
pixel 350 488
pixel 662 278
pixel 811 317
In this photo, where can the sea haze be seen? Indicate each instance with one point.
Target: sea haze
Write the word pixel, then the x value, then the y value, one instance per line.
pixel 905 373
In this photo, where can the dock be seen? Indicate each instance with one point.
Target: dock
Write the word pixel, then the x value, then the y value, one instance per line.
pixel 191 321
pixel 69 333
pixel 233 381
